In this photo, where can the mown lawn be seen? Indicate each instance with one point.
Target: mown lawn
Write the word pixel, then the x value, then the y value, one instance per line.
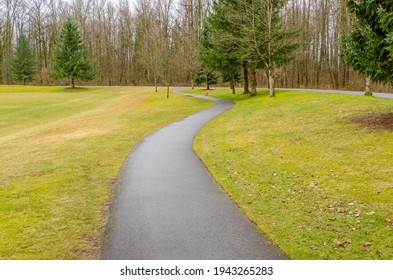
pixel 319 185
pixel 60 153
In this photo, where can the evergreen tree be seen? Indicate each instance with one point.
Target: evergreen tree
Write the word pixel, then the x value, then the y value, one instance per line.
pixel 251 31
pixel 368 47
pixel 23 64
pixel 70 61
pixel 217 49
pixel 266 42
pixel 218 56
pixel 205 75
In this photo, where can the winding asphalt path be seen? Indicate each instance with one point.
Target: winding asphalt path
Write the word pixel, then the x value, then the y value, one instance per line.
pixel 170 207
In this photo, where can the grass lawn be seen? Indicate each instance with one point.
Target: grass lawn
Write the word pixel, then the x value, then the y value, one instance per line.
pixel 61 151
pixel 319 185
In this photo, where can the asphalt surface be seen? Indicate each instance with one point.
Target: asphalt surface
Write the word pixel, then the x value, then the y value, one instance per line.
pixel 359 93
pixel 168 205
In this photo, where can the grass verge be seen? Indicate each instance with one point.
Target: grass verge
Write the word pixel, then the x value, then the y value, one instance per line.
pixel 61 151
pixel 319 185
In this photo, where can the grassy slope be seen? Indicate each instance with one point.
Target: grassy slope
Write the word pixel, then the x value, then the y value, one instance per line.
pixel 319 185
pixel 61 151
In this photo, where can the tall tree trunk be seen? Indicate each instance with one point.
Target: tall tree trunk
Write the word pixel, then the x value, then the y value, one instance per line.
pixel 270 50
pixel 368 87
pixel 167 91
pixel 253 82
pixel 245 77
pixel 73 82
pixel 271 82
pixel 233 85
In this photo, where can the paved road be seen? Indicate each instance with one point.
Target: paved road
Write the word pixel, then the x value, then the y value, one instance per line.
pixel 170 207
pixel 360 93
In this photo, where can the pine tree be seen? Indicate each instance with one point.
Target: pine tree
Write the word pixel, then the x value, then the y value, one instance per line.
pixel 205 75
pixel 368 47
pixel 215 50
pixel 217 56
pixel 23 65
pixel 250 31
pixel 70 61
pixel 266 42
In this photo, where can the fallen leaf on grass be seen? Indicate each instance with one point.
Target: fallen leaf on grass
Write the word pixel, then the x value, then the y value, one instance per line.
pixel 338 243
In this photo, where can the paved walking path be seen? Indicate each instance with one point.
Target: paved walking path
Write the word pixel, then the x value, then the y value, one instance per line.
pixel 360 93
pixel 170 207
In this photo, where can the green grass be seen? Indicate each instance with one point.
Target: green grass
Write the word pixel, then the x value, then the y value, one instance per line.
pixel 318 185
pixel 42 89
pixel 61 151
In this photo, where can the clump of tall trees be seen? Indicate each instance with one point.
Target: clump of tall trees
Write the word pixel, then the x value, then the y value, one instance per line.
pixel 248 32
pixel 69 58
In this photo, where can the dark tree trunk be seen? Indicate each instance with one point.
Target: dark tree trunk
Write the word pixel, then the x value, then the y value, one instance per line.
pixel 233 86
pixel 253 82
pixel 245 77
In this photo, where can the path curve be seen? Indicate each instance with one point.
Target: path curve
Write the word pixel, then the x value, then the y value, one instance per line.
pixel 170 207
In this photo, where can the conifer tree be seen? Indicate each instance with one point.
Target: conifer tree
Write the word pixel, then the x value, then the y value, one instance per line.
pixel 215 50
pixel 250 31
pixel 219 57
pixel 70 61
pixel 265 41
pixel 23 64
pixel 368 46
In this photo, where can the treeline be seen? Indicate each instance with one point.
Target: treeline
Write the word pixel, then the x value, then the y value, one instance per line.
pixel 151 42
pixel 155 42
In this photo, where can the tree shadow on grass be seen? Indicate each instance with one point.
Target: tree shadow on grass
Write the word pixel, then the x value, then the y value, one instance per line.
pixel 376 121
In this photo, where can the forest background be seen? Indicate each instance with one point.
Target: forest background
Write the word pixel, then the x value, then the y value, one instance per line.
pixel 155 42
